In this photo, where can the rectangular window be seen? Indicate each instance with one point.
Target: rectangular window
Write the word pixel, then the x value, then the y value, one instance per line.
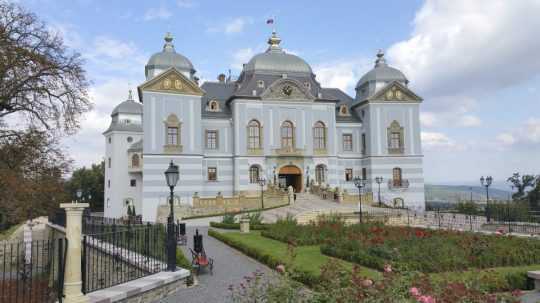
pixel 364 173
pixel 211 139
pixel 395 140
pixel 109 183
pixel 133 182
pixel 348 174
pixel 363 143
pixel 212 174
pixel 347 142
pixel 172 135
pixel 109 162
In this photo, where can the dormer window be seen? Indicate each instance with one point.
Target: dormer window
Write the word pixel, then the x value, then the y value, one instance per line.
pixel 260 84
pixel 213 106
pixel 307 85
pixel 343 110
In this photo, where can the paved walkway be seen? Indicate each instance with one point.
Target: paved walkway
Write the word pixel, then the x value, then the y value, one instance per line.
pixel 230 267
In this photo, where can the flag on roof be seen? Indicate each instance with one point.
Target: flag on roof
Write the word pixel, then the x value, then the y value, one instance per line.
pixel 270 21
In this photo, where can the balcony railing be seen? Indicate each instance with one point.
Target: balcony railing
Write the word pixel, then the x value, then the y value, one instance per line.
pixel 396 151
pixel 289 151
pixel 395 184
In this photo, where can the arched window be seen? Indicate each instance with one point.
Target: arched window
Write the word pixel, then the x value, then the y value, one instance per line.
pixel 287 134
pixel 253 174
pixel 254 134
pixel 319 136
pixel 173 130
pixel 320 174
pixel 135 160
pixel 395 138
pixel 396 177
pixel 213 106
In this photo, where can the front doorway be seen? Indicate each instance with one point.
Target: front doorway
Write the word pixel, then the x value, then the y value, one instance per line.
pixel 290 175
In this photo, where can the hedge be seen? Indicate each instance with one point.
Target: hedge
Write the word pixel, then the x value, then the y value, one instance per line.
pixel 302 276
pixel 182 261
pixel 237 226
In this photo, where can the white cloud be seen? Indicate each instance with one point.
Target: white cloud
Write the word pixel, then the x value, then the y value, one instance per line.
pixel 241 57
pixel 159 13
pixel 342 74
pixel 232 26
pixel 439 141
pixel 465 46
pixel 527 134
pixel 107 46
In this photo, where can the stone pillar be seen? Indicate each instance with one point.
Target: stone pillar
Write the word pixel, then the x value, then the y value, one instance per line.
pixel 339 195
pixel 244 225
pixel 290 193
pixel 72 276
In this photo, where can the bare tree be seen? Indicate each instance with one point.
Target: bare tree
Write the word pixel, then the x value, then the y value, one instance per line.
pixel 39 77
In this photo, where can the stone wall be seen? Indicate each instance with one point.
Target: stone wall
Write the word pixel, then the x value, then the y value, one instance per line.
pixel 156 294
pixel 333 194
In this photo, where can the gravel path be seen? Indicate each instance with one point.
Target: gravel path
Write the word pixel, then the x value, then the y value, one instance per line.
pixel 230 267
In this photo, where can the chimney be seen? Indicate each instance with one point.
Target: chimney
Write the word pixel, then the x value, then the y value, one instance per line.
pixel 221 78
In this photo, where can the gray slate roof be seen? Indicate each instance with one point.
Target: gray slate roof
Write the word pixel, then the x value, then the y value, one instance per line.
pixel 128 107
pixel 124 127
pixel 219 91
pixel 382 72
pixel 169 58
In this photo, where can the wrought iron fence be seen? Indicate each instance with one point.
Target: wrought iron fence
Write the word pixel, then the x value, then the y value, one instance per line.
pixel 502 219
pixel 32 272
pixel 120 253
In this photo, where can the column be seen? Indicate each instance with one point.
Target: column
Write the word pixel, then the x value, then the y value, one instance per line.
pixel 72 276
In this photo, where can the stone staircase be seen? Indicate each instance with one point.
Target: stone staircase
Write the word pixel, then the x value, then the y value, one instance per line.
pixel 306 207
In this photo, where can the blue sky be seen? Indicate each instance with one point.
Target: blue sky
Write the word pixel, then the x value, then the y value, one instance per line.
pixel 474 62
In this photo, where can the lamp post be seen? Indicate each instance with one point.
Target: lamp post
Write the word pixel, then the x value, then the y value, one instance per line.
pixel 307 178
pixel 274 171
pixel 486 182
pixel 379 180
pixel 171 175
pixel 262 183
pixel 360 184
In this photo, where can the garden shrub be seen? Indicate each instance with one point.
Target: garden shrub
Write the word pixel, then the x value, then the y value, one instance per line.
pixel 228 218
pixel 182 261
pixel 255 218
pixel 237 226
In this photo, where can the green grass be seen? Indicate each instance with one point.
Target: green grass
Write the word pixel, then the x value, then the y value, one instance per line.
pixel 308 258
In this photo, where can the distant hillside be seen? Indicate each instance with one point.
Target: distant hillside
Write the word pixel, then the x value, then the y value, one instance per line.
pixel 454 193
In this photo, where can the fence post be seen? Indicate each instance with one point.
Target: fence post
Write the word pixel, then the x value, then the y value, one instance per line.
pixel 72 275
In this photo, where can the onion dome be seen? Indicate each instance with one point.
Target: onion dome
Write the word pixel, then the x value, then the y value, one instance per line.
pixel 168 58
pixel 276 60
pixel 382 73
pixel 129 106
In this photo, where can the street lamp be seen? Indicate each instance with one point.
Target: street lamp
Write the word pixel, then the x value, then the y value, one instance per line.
pixel 171 175
pixel 379 180
pixel 360 184
pixel 486 182
pixel 262 183
pixel 307 178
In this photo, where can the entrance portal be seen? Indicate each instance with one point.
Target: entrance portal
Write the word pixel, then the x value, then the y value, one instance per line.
pixel 290 175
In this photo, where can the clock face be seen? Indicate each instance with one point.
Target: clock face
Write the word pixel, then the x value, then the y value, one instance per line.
pixel 389 94
pixel 287 90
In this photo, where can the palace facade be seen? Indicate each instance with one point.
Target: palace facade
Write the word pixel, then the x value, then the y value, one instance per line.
pixel 274 121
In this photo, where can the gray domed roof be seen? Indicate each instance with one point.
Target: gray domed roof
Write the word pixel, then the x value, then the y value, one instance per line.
pixel 169 58
pixel 382 72
pixel 275 60
pixel 129 106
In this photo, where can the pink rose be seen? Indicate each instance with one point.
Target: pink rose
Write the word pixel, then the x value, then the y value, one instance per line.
pixel 426 299
pixel 387 268
pixel 367 283
pixel 414 292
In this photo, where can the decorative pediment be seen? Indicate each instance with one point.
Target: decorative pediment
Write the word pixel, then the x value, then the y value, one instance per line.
pixel 172 81
pixel 287 89
pixel 396 92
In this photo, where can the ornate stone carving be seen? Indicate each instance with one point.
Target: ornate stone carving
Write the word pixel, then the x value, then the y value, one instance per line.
pixel 287 89
pixel 172 81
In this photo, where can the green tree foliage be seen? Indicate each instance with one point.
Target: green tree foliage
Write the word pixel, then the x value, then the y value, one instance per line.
pixel 92 183
pixel 521 183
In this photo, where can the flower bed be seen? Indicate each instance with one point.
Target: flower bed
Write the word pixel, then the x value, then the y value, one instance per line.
pixel 409 249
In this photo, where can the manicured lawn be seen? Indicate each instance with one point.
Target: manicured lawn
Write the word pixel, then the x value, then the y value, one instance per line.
pixel 308 258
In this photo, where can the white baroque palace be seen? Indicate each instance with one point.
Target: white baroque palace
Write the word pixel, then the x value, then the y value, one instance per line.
pixel 274 122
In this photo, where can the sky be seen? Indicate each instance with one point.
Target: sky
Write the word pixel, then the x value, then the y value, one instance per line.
pixel 475 63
